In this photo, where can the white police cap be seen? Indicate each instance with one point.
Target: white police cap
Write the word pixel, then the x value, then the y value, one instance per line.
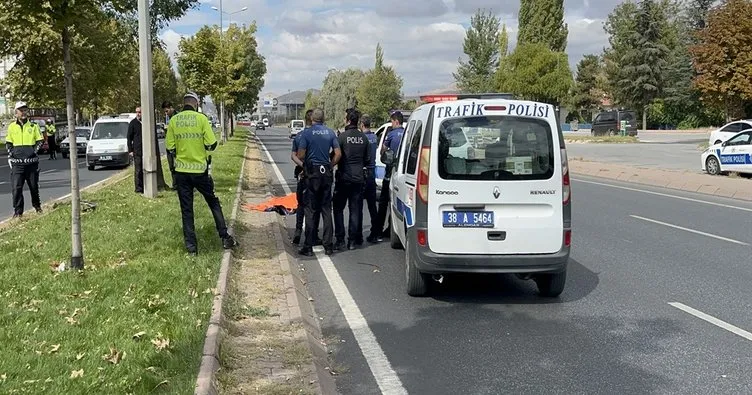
pixel 20 104
pixel 191 95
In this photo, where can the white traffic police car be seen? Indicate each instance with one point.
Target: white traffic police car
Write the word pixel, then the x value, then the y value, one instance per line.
pixel 734 154
pixel 506 209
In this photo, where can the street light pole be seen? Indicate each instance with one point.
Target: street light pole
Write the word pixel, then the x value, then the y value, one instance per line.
pixel 147 101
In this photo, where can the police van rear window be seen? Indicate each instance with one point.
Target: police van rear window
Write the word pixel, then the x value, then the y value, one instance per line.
pixel 490 148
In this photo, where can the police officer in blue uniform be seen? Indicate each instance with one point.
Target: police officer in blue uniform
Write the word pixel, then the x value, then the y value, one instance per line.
pixel 369 188
pixel 314 149
pixel 391 143
pixel 301 185
pixel 350 178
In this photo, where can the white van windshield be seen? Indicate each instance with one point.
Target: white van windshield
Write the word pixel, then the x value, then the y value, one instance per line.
pixel 496 148
pixel 110 130
pixel 297 124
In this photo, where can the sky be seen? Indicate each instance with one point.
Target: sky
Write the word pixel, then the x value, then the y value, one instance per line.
pixel 422 39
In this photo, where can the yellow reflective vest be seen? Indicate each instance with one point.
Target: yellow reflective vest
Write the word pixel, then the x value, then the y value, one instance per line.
pixel 190 135
pixel 23 142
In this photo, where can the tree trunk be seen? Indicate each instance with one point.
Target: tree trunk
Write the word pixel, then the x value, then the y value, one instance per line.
pixel 161 183
pixel 644 118
pixel 77 250
pixel 232 125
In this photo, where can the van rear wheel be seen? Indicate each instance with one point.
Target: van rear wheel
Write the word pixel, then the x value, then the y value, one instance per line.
pixel 417 282
pixel 551 285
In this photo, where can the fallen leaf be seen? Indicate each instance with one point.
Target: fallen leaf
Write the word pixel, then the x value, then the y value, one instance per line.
pixel 376 271
pixel 114 356
pixel 55 347
pixel 3 376
pixel 160 343
pixel 151 369
pixel 138 335
pixel 77 373
pixel 71 320
pixel 30 381
pixel 49 380
pixel 87 292
pixel 310 299
pixel 79 356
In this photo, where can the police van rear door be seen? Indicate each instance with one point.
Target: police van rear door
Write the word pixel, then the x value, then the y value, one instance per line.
pixel 508 198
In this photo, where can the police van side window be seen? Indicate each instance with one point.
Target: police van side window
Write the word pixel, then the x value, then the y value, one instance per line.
pixel 414 149
pixel 408 134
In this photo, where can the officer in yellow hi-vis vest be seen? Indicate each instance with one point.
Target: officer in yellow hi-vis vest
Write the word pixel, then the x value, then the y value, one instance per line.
pixel 189 139
pixel 23 141
pixel 51 141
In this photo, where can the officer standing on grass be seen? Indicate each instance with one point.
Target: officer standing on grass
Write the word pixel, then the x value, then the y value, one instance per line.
pixel 23 142
pixel 301 185
pixel 391 143
pixel 369 188
pixel 314 148
pixel 190 138
pixel 348 189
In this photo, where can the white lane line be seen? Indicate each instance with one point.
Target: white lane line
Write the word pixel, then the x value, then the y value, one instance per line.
pixel 715 321
pixel 278 173
pixel 48 171
pixel 383 373
pixel 690 230
pixel 665 195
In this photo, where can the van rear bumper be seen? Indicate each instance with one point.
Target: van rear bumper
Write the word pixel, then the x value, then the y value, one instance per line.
pixel 430 262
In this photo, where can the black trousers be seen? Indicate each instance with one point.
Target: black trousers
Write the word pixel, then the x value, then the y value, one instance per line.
pixel 369 194
pixel 318 197
pixel 171 164
pixel 25 173
pixel 203 183
pixel 377 229
pixel 52 146
pixel 138 173
pixel 300 213
pixel 350 194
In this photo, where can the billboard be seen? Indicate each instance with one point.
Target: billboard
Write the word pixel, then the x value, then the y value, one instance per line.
pixel 270 101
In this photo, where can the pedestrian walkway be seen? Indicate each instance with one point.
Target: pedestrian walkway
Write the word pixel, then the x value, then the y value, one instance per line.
pixel 725 186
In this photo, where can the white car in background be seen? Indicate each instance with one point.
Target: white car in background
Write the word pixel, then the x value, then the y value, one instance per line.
pixel 728 131
pixel 82 138
pixel 296 126
pixel 108 144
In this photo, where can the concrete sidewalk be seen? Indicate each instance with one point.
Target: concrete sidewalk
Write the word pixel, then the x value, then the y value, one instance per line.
pixel 725 186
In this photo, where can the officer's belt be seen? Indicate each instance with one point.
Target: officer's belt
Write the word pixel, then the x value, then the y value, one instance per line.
pixel 27 160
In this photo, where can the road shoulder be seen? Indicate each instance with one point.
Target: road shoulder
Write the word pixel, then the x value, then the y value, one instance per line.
pixel 722 186
pixel 271 340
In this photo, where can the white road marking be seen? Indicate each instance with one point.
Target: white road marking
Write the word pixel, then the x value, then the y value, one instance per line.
pixel 665 195
pixel 383 373
pixel 715 321
pixel 690 230
pixel 48 171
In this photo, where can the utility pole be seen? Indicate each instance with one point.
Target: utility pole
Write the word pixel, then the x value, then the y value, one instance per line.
pixel 147 100
pixel 221 102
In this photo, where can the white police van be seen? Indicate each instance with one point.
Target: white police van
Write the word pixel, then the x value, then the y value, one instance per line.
pixel 734 154
pixel 381 134
pixel 505 210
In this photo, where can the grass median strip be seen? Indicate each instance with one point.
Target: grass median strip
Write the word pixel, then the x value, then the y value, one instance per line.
pixel 602 139
pixel 134 320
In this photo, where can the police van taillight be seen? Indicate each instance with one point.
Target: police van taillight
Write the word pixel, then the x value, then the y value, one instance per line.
pixel 423 171
pixel 565 188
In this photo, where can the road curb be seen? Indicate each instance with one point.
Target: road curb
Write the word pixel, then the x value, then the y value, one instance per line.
pixel 206 383
pixel 740 189
pixel 299 302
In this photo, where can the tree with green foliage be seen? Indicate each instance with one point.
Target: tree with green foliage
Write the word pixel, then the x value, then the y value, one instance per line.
pixel 542 21
pixel 482 49
pixel 338 93
pixel 535 72
pixel 312 100
pixel 379 90
pixel 196 60
pixel 722 60
pixel 586 96
pixel 503 42
pixel 65 24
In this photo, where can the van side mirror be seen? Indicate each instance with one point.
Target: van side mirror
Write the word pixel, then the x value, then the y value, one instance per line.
pixel 725 143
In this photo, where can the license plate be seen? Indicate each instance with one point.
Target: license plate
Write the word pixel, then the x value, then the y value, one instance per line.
pixel 105 158
pixel 468 219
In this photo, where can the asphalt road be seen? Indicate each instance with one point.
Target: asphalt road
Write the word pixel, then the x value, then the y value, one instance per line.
pixel 54 180
pixel 662 150
pixel 657 301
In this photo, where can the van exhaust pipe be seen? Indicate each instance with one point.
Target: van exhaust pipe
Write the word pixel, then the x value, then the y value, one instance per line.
pixel 439 278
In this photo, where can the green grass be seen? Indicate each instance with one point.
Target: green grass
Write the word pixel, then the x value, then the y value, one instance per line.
pixel 703 146
pixel 138 278
pixel 602 139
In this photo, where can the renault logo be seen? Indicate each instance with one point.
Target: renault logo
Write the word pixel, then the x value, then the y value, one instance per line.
pixel 496 192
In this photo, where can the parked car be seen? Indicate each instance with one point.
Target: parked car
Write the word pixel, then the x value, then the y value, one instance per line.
pixel 82 138
pixel 608 123
pixel 732 155
pixel 728 131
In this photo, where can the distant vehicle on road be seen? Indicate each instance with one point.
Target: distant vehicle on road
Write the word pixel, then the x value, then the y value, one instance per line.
pixel 267 123
pixel 108 144
pixel 296 126
pixel 258 125
pixel 507 209
pixel 608 123
pixel 82 138
pixel 732 155
pixel 728 131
